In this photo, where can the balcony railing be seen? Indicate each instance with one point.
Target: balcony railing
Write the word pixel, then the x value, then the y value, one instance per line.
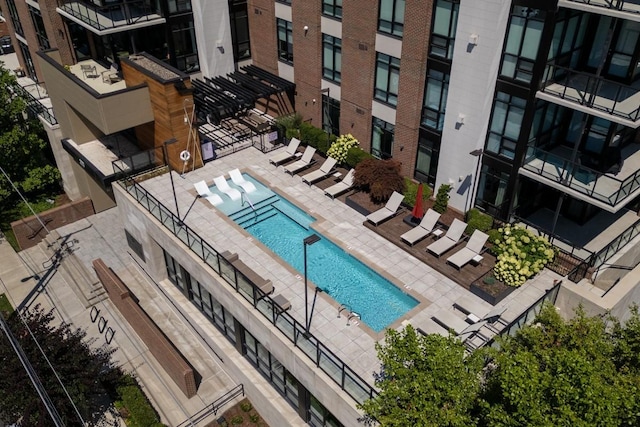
pixel 110 14
pixel 596 185
pixel 314 349
pixel 612 98
pixel 34 106
pixel 621 5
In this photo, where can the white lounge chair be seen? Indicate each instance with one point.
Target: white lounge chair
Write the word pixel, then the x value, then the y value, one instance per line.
pixel 342 186
pixel 239 180
pixel 389 210
pixel 203 191
pixel 471 251
pixel 449 320
pixel 223 186
pixel 287 154
pixel 428 327
pixel 305 161
pixel 323 172
pixel 449 240
pixel 422 230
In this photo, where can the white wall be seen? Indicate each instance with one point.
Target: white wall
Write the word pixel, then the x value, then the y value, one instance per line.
pixel 471 86
pixel 213 31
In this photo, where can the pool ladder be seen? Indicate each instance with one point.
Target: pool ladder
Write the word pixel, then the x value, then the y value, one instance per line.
pixel 352 314
pixel 244 196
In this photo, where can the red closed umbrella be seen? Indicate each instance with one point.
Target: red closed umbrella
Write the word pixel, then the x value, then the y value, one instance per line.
pixel 418 210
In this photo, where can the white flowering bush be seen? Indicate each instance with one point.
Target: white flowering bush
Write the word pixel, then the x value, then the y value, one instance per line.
pixel 340 148
pixel 520 255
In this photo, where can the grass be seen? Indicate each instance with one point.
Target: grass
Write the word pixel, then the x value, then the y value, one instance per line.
pixel 5 305
pixel 21 210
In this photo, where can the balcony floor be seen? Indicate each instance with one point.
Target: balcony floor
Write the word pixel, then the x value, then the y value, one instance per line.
pixel 95 80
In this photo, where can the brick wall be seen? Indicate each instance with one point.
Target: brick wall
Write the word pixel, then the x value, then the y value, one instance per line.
pixel 359 25
pixel 160 347
pixel 413 69
pixel 262 30
pixel 29 232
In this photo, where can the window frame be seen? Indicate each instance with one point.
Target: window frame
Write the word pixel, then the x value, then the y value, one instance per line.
pixel 439 112
pixel 442 41
pixel 507 144
pixel 396 24
pixel 335 44
pixel 522 65
pixel 385 129
pixel 285 55
pixel 332 8
pixel 386 95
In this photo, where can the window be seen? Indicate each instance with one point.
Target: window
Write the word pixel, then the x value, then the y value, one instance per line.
pixel 28 61
pixel 523 40
pixel 184 40
pixel 178 6
pixel 435 99
pixel 331 58
pixel 391 19
pixel 38 26
pixel 332 8
pixel 427 158
pixel 382 139
pixel 135 245
pixel 443 29
pixel 492 189
pixel 330 115
pixel 506 120
pixel 239 20
pixel 285 2
pixel 387 76
pixel 15 18
pixel 285 40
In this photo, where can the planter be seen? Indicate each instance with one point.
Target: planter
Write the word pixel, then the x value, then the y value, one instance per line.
pixel 493 293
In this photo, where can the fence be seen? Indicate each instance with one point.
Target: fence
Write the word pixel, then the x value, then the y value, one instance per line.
pixel 316 351
pixel 214 407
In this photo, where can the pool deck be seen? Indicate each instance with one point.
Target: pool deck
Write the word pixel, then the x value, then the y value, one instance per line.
pixel 354 344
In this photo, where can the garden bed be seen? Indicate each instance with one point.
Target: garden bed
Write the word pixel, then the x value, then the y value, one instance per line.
pixel 492 293
pixel 243 414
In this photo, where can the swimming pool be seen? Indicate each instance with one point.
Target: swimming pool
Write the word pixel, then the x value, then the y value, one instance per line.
pixel 281 226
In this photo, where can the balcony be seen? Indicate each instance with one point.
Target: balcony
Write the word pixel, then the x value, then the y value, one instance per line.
pixel 609 191
pixel 626 9
pixel 104 17
pixel 592 95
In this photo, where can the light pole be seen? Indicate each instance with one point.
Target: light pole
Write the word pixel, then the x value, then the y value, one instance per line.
pixel 168 163
pixel 476 153
pixel 308 241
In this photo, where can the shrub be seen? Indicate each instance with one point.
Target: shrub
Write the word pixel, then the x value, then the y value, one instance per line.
pixel 355 155
pixel 237 420
pixel 254 418
pixel 141 413
pixel 494 235
pixel 311 135
pixel 411 192
pixel 442 198
pixel 477 220
pixel 246 406
pixel 288 123
pixel 380 178
pixel 520 255
pixel 341 147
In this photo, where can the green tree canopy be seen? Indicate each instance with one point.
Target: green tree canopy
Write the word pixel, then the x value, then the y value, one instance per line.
pixel 85 371
pixel 581 372
pixel 24 153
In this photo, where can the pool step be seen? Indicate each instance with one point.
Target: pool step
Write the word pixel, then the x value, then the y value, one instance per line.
pixel 258 219
pixel 248 210
pixel 251 214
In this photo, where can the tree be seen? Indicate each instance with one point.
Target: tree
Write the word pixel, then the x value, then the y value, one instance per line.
pixel 424 381
pixel 581 372
pixel 84 371
pixel 380 178
pixel 24 153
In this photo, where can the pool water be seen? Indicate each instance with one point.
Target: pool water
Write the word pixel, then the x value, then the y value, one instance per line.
pixel 281 226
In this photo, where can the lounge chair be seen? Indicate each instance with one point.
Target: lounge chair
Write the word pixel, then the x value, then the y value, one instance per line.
pixel 428 326
pixel 449 320
pixel 422 230
pixel 203 191
pixel 239 180
pixel 389 210
pixel 449 240
pixel 305 161
pixel 495 316
pixel 223 186
pixel 342 186
pixel 471 251
pixel 324 171
pixel 474 308
pixel 288 154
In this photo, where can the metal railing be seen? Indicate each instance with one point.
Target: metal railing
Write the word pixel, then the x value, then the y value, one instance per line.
pixel 347 379
pixel 214 407
pixel 103 16
pixel 579 178
pixel 621 5
pixel 591 91
pixel 35 107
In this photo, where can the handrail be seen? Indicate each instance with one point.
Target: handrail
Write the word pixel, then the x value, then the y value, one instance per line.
pixel 345 377
pixel 611 4
pixel 214 407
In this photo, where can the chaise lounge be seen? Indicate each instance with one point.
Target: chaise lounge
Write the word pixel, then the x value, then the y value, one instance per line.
pixel 342 186
pixel 449 240
pixel 422 230
pixel 305 161
pixel 223 186
pixel 203 191
pixel 325 170
pixel 239 180
pixel 471 251
pixel 389 210
pixel 288 154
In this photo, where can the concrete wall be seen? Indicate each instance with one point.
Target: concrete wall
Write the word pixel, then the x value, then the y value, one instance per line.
pixel 213 36
pixel 160 347
pixel 471 87
pixel 277 412
pixel 29 231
